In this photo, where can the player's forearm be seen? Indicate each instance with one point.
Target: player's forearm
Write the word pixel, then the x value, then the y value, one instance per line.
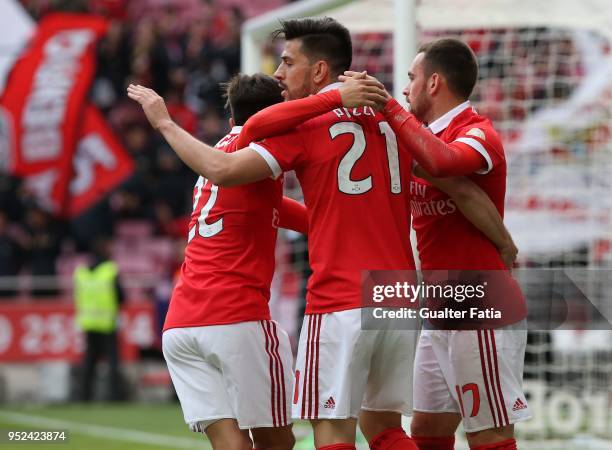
pixel 293 216
pixel 477 207
pixel 201 158
pixel 434 155
pixel 282 117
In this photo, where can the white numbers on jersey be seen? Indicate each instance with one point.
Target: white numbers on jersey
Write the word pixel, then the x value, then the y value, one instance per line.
pixel 204 229
pixel 392 156
pixel 345 184
pixel 356 187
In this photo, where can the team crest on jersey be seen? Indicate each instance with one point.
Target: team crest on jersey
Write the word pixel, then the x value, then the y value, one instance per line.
pixel 477 132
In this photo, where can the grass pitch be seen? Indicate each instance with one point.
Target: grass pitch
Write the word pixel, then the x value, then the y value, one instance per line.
pixel 101 426
pixel 160 426
pixel 114 427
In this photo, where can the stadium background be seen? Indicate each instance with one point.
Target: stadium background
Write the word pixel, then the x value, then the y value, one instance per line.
pixel 544 80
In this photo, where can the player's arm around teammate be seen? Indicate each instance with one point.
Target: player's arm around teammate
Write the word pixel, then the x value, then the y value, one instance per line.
pixel 471 200
pixel 246 165
pixel 478 208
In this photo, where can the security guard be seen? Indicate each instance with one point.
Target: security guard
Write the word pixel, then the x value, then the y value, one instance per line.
pixel 98 296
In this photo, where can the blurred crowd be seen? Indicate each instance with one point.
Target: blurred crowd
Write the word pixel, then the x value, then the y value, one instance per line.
pixel 183 49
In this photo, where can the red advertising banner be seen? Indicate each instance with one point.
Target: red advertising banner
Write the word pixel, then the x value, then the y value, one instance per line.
pixel 100 163
pixel 45 122
pixel 46 331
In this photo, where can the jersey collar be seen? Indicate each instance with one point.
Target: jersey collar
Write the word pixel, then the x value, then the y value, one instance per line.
pixel 236 129
pixel 329 87
pixel 440 124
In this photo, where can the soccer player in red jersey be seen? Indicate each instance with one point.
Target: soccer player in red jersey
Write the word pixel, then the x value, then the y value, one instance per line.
pixel 482 387
pixel 231 365
pixel 354 182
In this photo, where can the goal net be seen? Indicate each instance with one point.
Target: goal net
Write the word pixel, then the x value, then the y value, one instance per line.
pixel 546 82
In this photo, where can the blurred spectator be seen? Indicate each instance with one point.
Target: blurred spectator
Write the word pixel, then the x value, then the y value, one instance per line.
pixel 43 247
pixel 98 297
pixel 11 256
pixel 212 128
pixel 167 224
pixel 113 66
pixel 175 101
pixel 173 183
pixel 10 203
pixel 150 59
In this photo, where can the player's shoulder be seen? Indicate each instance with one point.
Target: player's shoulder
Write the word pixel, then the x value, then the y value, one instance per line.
pixel 228 143
pixel 477 126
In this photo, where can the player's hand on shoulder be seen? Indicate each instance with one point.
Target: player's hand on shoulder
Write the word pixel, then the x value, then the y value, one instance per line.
pixel 152 104
pixel 361 89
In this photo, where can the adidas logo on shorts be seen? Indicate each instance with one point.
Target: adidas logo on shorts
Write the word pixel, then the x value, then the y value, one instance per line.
pixel 330 403
pixel 518 405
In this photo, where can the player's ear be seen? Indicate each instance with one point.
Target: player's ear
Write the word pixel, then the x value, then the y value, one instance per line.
pixel 434 83
pixel 231 122
pixel 321 72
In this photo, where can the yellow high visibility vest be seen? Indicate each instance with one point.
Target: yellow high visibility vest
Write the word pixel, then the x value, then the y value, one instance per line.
pixel 96 297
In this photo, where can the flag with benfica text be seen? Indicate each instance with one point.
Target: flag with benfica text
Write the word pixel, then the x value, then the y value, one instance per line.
pixel 49 135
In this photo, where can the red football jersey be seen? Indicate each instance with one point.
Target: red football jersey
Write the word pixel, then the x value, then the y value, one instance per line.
pixel 445 238
pixel 354 182
pixel 229 258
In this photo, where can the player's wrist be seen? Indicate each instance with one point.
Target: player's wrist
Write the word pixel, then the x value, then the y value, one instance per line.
pixel 394 112
pixel 392 107
pixel 164 125
pixel 334 97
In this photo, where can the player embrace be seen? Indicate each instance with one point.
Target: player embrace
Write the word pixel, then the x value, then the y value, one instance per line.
pixel 475 376
pixel 355 174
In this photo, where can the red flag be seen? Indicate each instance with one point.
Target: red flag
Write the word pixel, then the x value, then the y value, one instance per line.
pixel 43 105
pixel 100 163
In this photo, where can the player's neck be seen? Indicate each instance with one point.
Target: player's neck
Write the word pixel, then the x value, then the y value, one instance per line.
pixel 318 86
pixel 441 106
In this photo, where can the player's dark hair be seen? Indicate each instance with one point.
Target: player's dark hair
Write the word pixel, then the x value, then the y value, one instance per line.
pixel 454 60
pixel 322 38
pixel 248 94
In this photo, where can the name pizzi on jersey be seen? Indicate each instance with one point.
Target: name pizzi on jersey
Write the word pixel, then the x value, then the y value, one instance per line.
pixel 354 112
pixel 422 207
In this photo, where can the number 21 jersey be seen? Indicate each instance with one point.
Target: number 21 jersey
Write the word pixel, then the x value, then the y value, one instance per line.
pixel 354 183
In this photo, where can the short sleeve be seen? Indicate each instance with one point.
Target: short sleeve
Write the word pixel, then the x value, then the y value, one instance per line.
pixel 486 142
pixel 282 153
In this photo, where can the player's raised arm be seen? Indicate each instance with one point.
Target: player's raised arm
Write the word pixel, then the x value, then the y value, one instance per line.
pixel 478 208
pixel 222 169
pixel 282 117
